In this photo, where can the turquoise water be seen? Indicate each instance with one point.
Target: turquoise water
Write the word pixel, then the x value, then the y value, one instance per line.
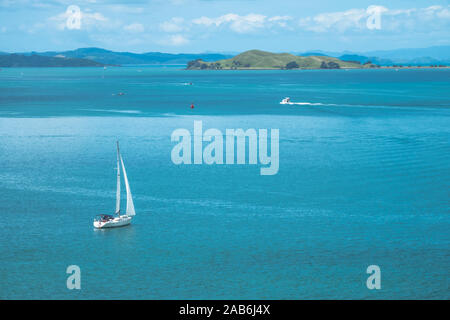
pixel 364 179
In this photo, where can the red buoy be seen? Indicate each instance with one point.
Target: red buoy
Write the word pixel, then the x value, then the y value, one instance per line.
pixel 192 106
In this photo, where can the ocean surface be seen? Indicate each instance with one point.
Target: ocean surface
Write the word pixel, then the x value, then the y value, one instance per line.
pixel 364 179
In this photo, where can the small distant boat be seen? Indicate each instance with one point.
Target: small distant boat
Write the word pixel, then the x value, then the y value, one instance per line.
pixel 102 221
pixel 286 100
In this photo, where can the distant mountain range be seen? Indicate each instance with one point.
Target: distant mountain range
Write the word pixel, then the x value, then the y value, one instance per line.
pixel 437 55
pixel 19 60
pixel 122 58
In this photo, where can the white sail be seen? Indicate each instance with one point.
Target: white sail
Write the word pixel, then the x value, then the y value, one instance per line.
pixel 130 205
pixel 118 182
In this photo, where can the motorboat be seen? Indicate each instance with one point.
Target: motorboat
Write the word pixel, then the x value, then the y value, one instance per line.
pixel 286 100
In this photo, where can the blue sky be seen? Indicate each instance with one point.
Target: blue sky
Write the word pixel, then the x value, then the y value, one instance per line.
pixel 222 25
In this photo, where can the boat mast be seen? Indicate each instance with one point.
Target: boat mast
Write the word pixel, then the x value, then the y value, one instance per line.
pixel 118 181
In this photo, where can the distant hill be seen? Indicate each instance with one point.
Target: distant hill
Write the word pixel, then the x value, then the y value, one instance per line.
pixel 364 59
pixel 435 52
pixel 121 58
pixel 257 59
pixel 20 60
pixel 419 61
pixel 307 54
pixel 437 55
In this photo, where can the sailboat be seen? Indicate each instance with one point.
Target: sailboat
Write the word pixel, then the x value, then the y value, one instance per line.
pixel 118 220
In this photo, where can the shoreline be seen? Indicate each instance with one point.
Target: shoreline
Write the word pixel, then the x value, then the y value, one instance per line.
pixel 238 69
pixel 303 69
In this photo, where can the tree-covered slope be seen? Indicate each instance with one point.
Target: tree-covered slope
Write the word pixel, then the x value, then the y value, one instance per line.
pixel 257 59
pixel 122 58
pixel 19 60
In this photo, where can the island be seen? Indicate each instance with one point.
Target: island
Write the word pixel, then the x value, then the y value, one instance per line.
pixel 263 60
pixel 23 61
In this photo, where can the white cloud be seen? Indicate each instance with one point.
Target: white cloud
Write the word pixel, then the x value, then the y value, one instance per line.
pixel 87 20
pixel 175 24
pixel 417 19
pixel 244 23
pixel 237 23
pixel 340 21
pixel 177 40
pixel 94 17
pixel 280 20
pixel 444 14
pixel 436 11
pixel 412 19
pixel 134 28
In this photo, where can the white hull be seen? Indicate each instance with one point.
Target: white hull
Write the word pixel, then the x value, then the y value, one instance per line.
pixel 286 100
pixel 114 223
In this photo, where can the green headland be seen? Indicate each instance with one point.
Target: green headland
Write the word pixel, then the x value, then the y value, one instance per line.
pixel 257 59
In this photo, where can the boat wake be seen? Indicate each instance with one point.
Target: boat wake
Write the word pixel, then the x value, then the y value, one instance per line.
pixel 307 103
pixel 288 101
pixel 113 111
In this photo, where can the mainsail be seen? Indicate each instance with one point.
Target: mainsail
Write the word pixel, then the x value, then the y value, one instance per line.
pixel 130 205
pixel 118 182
